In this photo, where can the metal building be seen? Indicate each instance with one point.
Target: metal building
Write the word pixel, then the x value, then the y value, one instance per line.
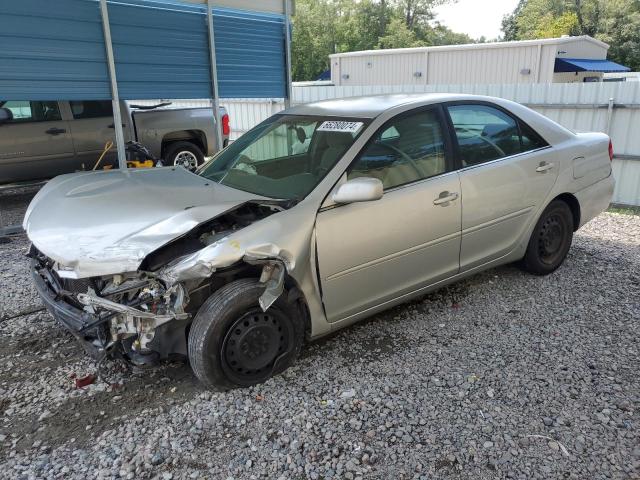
pixel 552 60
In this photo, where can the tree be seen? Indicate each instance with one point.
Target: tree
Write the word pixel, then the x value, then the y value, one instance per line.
pixel 616 22
pixel 323 27
pixel 415 11
pixel 398 36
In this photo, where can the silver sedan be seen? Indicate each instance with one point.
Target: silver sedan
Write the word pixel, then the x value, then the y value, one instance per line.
pixel 318 217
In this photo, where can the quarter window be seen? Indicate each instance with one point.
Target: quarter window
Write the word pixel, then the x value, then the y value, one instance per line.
pixel 24 111
pixel 485 133
pixel 405 150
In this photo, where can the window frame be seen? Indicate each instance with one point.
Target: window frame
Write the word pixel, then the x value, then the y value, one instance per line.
pixel 519 123
pixel 80 118
pixel 441 115
pixel 32 119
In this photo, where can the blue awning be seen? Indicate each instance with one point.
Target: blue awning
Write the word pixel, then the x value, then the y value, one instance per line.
pixel 587 65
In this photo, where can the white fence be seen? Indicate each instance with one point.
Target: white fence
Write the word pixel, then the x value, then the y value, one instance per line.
pixel 610 107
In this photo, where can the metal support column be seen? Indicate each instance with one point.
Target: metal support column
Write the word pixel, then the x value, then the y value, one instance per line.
pixel 609 115
pixel 115 99
pixel 214 74
pixel 287 36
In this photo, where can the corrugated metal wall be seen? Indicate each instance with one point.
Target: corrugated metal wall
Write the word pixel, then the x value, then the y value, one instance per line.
pixel 250 54
pixel 576 106
pixel 160 47
pixel 56 50
pixel 490 63
pixel 48 53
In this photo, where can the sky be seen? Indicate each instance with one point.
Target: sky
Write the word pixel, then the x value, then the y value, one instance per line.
pixel 475 17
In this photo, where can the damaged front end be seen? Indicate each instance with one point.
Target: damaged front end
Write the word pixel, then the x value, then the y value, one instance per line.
pixel 144 315
pixel 123 310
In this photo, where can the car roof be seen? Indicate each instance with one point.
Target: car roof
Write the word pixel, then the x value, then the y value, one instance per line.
pixel 374 105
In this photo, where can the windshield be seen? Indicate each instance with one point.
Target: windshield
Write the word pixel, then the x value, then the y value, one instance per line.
pixel 284 157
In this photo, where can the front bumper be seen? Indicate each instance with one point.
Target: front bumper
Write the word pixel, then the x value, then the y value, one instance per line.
pixel 74 319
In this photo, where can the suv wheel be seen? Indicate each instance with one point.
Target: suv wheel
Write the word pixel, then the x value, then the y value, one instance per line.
pixel 184 154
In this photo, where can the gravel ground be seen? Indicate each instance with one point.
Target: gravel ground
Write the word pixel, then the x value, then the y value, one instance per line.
pixel 505 375
pixel 13 203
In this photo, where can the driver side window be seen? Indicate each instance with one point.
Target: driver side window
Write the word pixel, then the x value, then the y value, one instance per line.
pixel 406 149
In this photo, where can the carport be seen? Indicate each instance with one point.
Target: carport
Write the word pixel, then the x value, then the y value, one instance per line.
pixel 144 49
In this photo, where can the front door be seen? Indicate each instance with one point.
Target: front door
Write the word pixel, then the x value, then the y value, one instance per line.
pixel 507 172
pixel 36 143
pixel 371 253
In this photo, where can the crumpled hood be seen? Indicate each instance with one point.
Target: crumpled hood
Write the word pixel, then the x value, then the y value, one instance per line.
pixel 102 223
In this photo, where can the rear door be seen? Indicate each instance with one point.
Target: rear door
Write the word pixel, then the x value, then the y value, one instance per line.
pixel 36 143
pixel 506 172
pixel 371 253
pixel 92 128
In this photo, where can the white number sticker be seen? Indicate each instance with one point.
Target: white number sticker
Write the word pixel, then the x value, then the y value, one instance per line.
pixel 340 126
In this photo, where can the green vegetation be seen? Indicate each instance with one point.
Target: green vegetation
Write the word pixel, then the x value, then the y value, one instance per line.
pixel 616 22
pixel 323 27
pixel 624 209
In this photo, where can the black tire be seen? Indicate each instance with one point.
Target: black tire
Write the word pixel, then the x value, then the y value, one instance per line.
pixel 178 153
pixel 230 327
pixel 550 240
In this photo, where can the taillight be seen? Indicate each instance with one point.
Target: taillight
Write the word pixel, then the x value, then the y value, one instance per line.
pixel 226 129
pixel 610 151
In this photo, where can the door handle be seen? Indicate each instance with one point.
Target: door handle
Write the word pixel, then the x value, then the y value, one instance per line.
pixel 113 125
pixel 544 166
pixel 55 131
pixel 444 198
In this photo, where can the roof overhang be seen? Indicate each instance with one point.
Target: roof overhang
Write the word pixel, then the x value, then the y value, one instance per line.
pixel 475 46
pixel 266 6
pixel 588 65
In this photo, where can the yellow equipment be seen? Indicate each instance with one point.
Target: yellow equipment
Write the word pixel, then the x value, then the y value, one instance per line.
pixel 148 163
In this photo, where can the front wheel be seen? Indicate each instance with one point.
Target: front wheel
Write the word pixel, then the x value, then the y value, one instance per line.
pixel 550 240
pixel 233 343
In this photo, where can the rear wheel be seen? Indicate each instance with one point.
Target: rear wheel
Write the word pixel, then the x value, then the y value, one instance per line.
pixel 184 154
pixel 233 343
pixel 550 240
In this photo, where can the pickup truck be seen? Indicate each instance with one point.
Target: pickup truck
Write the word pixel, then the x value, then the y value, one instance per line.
pixel 42 139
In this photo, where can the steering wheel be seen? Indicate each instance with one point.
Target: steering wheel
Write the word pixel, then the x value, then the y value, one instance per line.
pixel 244 164
pixel 485 140
pixel 415 166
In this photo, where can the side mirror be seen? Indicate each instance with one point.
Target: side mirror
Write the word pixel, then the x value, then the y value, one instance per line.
pixel 363 189
pixel 6 115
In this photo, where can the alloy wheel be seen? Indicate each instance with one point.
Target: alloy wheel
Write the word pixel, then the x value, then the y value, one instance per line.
pixel 186 159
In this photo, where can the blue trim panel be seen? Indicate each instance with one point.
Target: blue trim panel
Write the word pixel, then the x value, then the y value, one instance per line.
pixel 587 65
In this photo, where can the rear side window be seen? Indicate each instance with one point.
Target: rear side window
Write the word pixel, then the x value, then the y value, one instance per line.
pixel 25 111
pixel 91 109
pixel 485 133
